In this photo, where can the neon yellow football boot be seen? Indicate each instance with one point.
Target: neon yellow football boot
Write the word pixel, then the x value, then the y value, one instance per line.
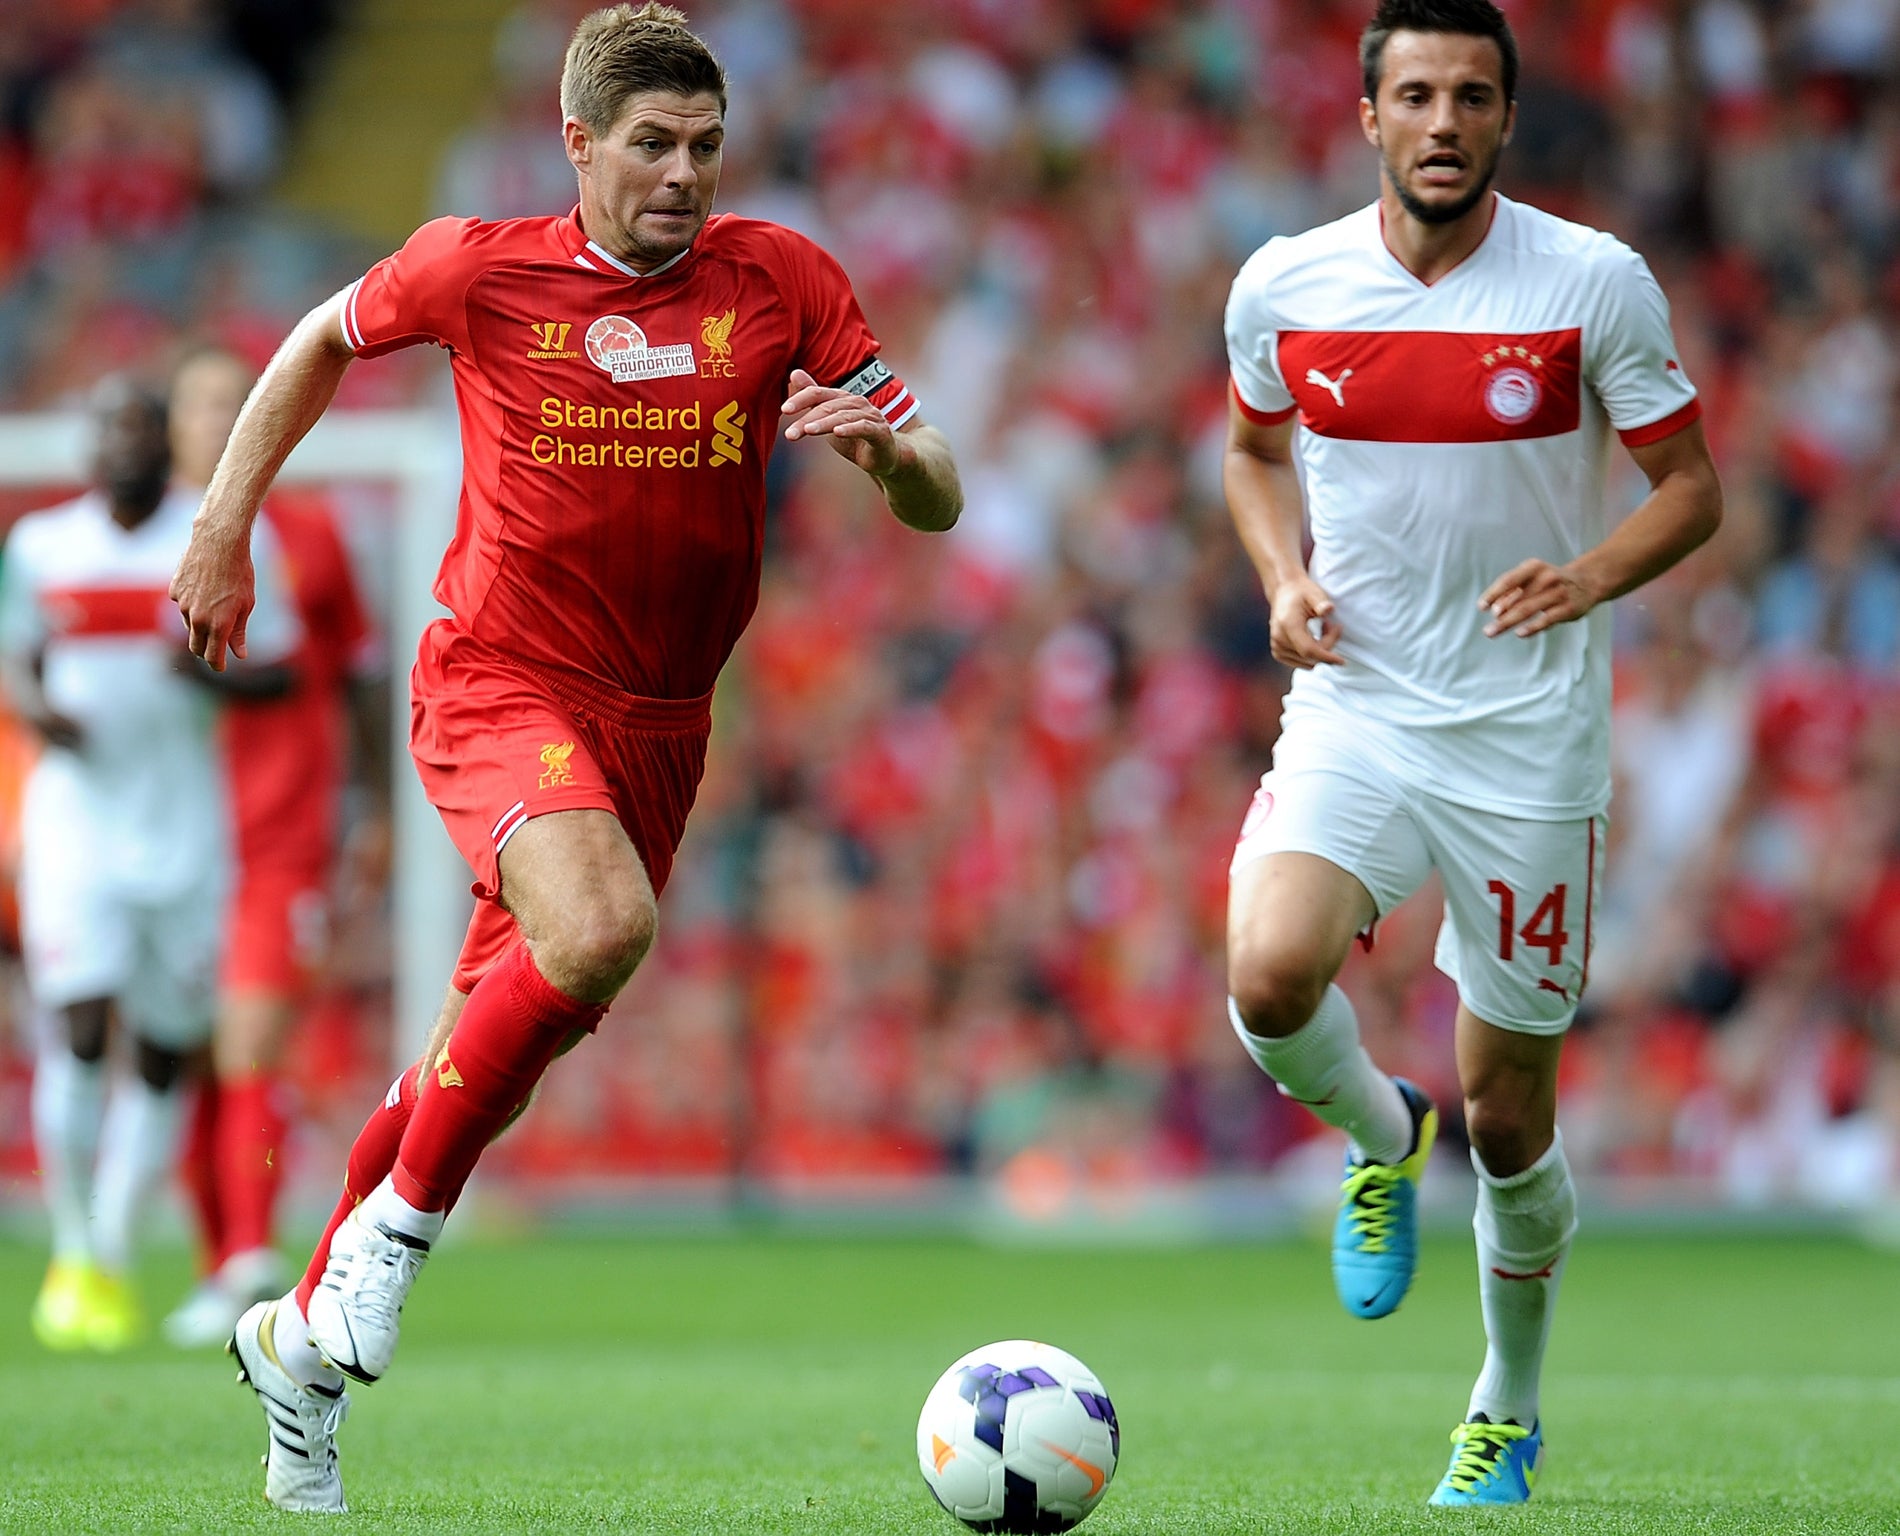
pixel 114 1320
pixel 61 1308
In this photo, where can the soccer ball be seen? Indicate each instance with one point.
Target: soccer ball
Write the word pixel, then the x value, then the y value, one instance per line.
pixel 1018 1437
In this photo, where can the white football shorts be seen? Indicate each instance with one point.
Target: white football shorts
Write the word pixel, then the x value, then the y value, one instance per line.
pixel 1520 895
pixel 157 960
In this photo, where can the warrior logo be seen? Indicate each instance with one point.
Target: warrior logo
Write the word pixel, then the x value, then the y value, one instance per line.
pixel 550 340
pixel 728 433
pixel 555 768
pixel 446 1074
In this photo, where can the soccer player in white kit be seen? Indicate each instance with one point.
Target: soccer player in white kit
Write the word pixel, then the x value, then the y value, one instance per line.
pixel 1457 362
pixel 123 846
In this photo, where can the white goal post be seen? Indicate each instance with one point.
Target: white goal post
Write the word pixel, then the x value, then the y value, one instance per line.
pixel 418 453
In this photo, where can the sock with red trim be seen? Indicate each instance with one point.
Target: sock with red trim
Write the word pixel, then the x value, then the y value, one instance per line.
pixel 1524 1226
pixel 198 1171
pixel 371 1158
pixel 514 1024
pixel 1323 1066
pixel 250 1156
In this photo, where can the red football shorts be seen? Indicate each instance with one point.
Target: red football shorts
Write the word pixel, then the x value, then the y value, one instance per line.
pixel 497 743
pixel 278 928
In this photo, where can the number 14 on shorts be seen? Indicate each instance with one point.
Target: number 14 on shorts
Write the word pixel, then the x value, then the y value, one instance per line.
pixel 1544 930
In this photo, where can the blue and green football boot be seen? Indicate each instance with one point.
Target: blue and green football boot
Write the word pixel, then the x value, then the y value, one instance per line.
pixel 1375 1239
pixel 1491 1463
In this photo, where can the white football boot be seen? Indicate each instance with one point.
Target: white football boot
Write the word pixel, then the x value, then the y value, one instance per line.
pixel 211 1311
pixel 300 1470
pixel 356 1310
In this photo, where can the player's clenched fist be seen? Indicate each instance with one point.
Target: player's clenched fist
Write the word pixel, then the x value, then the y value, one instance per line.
pixel 1295 606
pixel 215 589
pixel 856 427
pixel 1532 596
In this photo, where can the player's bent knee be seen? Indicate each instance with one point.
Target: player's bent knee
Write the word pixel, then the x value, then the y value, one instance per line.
pixel 1508 1134
pixel 1276 991
pixel 159 1066
pixel 595 953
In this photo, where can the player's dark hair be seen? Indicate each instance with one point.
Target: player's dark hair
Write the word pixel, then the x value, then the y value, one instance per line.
pixel 627 50
pixel 1467 18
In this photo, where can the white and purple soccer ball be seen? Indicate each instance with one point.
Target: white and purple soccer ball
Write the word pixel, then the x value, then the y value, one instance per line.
pixel 1018 1436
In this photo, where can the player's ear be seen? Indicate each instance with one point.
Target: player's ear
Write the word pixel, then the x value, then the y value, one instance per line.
pixel 1369 121
pixel 1510 122
pixel 578 139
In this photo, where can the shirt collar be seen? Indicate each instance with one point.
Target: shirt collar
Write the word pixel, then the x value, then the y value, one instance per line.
pixel 597 258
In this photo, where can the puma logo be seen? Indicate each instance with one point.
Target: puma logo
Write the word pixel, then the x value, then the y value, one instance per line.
pixel 1534 1274
pixel 1545 984
pixel 1334 387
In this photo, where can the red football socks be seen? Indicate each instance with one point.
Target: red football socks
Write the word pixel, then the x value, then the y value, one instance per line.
pixel 250 1152
pixel 512 1027
pixel 371 1158
pixel 198 1168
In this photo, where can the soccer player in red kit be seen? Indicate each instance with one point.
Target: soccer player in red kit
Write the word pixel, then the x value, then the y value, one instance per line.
pixel 285 770
pixel 621 375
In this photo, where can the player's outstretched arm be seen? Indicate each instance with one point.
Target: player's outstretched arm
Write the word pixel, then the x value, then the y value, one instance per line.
pixel 1682 510
pixel 215 586
pixel 1263 495
pixel 913 465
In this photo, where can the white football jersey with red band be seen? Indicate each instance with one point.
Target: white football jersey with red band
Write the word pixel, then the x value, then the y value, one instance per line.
pixel 1451 431
pixel 139 806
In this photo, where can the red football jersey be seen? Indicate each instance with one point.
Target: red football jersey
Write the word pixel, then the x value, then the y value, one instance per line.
pixel 615 428
pixel 287 755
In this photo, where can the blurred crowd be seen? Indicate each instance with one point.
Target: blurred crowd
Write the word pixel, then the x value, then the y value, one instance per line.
pixel 954 895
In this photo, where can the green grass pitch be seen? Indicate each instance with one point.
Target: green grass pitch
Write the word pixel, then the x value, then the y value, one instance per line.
pixel 762 1383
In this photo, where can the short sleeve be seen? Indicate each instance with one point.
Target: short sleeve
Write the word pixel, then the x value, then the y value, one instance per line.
pixel 1630 356
pixel 1253 342
pixel 835 344
pixel 418 294
pixel 273 631
pixel 22 622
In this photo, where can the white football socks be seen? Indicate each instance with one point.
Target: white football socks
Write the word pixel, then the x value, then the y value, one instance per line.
pixel 1323 1066
pixel 290 1337
pixel 384 1205
pixel 1524 1226
pixel 68 1103
pixel 137 1148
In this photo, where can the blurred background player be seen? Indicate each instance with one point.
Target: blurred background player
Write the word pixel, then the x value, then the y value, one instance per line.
pixel 124 848
pixel 605 563
pixel 285 768
pixel 1450 709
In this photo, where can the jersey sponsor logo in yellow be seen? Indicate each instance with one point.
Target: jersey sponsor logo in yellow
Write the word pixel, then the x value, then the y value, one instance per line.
pixel 550 340
pixel 715 335
pixel 555 768
pixel 728 441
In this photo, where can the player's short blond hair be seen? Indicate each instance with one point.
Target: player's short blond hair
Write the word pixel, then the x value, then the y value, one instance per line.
pixel 626 50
